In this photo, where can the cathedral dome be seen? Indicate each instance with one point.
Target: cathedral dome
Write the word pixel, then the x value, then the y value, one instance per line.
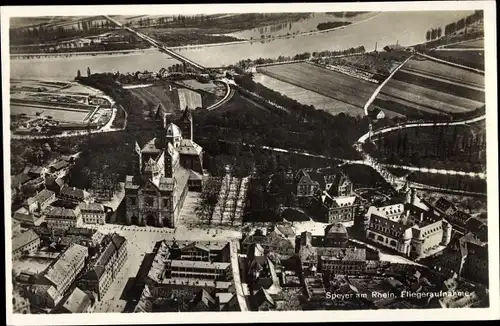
pixel 173 130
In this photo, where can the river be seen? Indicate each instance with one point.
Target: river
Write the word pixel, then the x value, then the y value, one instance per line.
pixel 386 28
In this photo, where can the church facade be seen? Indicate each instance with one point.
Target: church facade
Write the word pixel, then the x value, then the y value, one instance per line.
pixel 166 168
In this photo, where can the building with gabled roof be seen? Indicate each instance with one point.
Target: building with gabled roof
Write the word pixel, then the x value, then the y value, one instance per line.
pixel 40 201
pixel 77 302
pixel 167 166
pixel 73 194
pixel 203 301
pixel 93 213
pixel 63 218
pixel 104 268
pixel 262 301
pixel 51 285
pixel 26 242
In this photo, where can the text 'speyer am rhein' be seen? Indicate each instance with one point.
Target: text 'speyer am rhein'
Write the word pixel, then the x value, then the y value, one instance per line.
pixel 166 160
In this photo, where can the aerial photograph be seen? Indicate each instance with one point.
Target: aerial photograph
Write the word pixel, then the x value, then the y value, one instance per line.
pixel 265 161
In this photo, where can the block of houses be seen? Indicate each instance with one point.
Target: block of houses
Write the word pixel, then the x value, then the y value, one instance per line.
pixel 104 270
pixel 444 206
pixel 54 184
pixel 311 183
pixel 18 180
pixel 40 201
pixel 262 273
pixel 63 218
pixel 467 257
pixel 54 282
pixel 227 301
pixel 25 243
pixel 271 242
pixel 93 213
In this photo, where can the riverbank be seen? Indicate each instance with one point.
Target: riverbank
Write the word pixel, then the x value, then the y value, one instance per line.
pixel 181 47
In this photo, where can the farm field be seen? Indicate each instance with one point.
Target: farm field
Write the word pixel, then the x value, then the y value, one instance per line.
pixel 471 58
pixel 207 87
pixel 158 94
pixel 479 44
pixel 426 97
pixel 308 97
pixel 60 115
pixel 188 99
pixel 427 89
pixel 445 71
pixel 332 84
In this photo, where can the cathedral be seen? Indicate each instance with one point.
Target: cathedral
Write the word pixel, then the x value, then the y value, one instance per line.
pixel 165 169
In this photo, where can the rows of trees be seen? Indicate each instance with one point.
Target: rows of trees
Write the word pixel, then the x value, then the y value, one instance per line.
pixel 48 33
pixel 453 147
pixel 433 33
pixel 463 23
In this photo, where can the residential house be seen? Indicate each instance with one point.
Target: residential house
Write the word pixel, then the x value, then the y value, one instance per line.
pixel 93 213
pixel 376 114
pixel 53 283
pixel 478 228
pixel 37 171
pixel 17 181
pixel 74 194
pixel 337 209
pixel 40 201
pixel 26 219
pixel 262 273
pixel 444 206
pixel 78 302
pixel 476 266
pixel 63 218
pixel 285 231
pixel 227 301
pixel 25 243
pixel 58 168
pixel 104 270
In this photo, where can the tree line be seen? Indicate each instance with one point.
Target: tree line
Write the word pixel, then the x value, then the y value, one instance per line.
pixel 464 22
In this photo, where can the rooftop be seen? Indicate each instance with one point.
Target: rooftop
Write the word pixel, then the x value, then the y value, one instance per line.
pixel 74 192
pixel 199 264
pixel 65 264
pixel 41 197
pixel 91 207
pixel 61 212
pixel 182 281
pixel 77 302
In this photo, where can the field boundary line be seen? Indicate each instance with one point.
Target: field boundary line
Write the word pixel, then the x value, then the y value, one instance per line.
pixel 379 88
pixel 451 63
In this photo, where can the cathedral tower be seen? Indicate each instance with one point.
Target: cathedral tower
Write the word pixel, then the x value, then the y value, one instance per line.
pixel 186 124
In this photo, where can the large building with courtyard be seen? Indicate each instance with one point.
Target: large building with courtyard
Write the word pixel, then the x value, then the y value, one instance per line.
pixel 167 167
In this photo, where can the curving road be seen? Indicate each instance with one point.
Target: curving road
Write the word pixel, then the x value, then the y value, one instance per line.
pixel 226 98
